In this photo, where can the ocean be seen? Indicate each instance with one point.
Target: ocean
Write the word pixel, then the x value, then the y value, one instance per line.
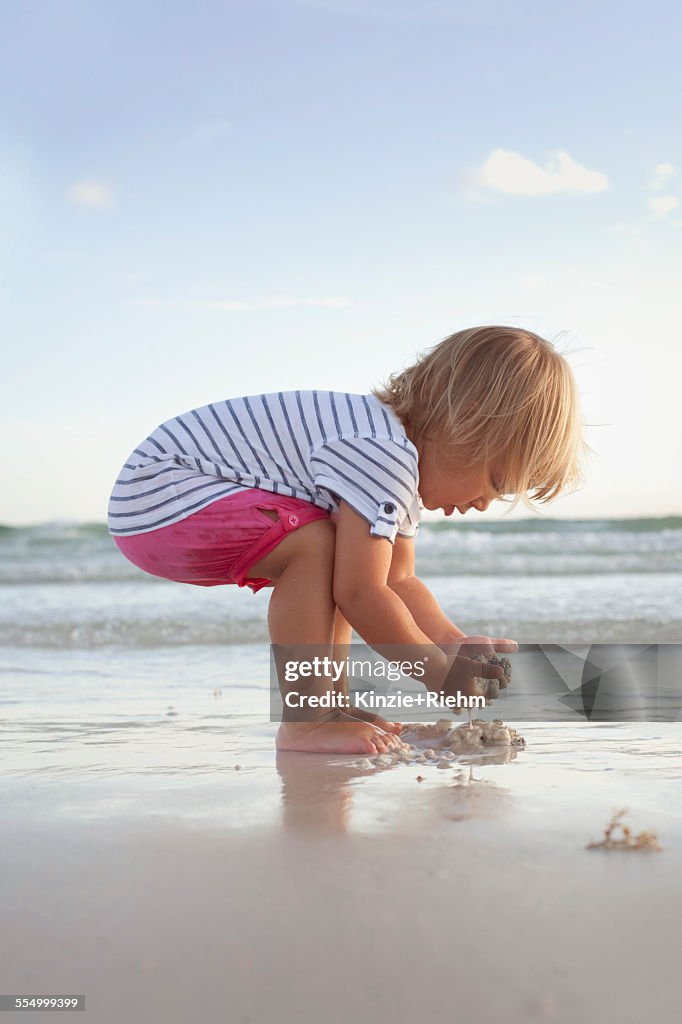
pixel 107 669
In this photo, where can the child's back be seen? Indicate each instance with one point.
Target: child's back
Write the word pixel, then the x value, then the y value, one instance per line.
pixel 317 446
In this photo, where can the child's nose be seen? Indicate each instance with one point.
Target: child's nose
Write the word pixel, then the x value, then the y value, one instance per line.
pixel 481 504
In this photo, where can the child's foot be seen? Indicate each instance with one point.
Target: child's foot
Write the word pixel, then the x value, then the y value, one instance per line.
pixel 381 723
pixel 336 738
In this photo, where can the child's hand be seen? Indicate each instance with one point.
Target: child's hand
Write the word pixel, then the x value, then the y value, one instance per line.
pixel 461 673
pixel 463 669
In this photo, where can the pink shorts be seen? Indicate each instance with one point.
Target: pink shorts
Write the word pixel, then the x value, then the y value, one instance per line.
pixel 218 544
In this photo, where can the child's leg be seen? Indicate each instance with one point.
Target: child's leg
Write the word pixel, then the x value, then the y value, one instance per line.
pixel 343 634
pixel 302 612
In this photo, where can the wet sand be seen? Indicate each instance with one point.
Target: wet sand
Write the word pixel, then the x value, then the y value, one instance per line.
pixel 301 889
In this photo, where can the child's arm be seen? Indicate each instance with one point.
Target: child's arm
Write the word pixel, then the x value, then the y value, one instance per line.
pixel 380 615
pixel 427 612
pixel 423 606
pixel 361 591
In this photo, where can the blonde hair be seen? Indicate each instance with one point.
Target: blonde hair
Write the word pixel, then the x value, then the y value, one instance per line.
pixel 493 393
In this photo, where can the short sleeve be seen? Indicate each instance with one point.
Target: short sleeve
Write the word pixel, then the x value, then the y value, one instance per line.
pixel 377 477
pixel 409 526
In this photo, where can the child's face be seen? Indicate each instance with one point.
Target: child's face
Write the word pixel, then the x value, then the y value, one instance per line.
pixel 446 484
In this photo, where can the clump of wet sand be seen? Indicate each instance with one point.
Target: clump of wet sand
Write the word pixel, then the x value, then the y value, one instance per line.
pixel 448 742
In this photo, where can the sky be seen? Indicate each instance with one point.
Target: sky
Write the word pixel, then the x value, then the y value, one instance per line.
pixel 206 200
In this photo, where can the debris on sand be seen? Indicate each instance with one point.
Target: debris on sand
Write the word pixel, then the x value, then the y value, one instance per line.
pixel 626 840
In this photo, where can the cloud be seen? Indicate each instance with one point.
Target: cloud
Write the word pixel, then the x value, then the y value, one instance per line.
pixel 272 302
pixel 92 194
pixel 661 206
pixel 512 174
pixel 661 174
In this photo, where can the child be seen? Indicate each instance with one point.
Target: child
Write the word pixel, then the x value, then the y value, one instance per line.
pixel 317 494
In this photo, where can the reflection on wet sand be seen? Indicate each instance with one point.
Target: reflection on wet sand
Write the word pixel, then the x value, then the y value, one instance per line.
pixel 328 796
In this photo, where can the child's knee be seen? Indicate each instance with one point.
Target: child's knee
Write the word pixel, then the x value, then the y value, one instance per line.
pixel 309 549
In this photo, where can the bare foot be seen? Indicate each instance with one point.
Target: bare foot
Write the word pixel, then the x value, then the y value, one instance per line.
pixel 336 738
pixel 381 723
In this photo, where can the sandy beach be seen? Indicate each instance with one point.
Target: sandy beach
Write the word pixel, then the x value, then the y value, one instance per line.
pixel 298 888
pixel 140 868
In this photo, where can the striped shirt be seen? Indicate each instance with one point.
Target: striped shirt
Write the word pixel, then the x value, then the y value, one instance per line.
pixel 320 446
